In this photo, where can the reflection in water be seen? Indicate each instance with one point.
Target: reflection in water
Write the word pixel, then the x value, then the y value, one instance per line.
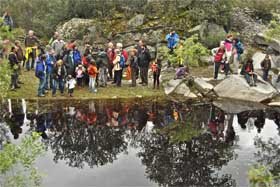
pixel 94 133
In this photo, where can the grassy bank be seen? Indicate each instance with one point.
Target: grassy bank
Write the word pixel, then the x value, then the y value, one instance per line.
pixel 28 90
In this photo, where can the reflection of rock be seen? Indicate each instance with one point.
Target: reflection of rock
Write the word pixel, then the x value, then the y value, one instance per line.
pixel 237 106
pixel 202 86
pixel 136 21
pixel 236 87
pixel 171 85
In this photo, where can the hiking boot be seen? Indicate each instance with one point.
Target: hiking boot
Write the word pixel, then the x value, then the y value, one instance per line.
pixel 42 95
pixel 53 95
pixel 140 83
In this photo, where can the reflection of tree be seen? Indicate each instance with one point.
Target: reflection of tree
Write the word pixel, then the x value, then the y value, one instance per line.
pixel 188 163
pixel 268 154
pixel 93 145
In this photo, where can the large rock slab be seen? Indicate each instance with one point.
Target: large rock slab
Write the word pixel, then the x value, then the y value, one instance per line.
pixel 182 89
pixel 232 106
pixel 263 40
pixel 171 85
pixel 202 86
pixel 136 21
pixel 236 87
pixel 258 57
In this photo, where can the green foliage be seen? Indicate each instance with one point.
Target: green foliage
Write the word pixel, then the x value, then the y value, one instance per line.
pixel 180 132
pixel 261 176
pixel 4 32
pixel 262 8
pixel 274 30
pixel 5 78
pixel 190 50
pixel 17 163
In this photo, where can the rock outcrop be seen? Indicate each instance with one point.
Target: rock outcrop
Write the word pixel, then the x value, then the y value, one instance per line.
pixel 236 87
pixel 202 86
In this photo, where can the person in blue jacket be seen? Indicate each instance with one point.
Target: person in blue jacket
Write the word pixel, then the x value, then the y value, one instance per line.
pixel 50 61
pixel 76 56
pixel 40 73
pixel 172 40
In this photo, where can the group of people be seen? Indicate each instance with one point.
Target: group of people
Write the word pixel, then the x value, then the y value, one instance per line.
pixel 230 52
pixel 60 63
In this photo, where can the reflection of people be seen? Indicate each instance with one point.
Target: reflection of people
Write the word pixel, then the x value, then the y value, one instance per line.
pixel 259 122
pixel 242 119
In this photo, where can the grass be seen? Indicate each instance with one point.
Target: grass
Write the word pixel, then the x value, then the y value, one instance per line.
pixel 28 90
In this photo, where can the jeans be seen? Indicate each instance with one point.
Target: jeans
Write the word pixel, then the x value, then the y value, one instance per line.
pixel 156 76
pixel 31 57
pixel 14 80
pixel 80 81
pixel 92 84
pixel 49 81
pixel 251 78
pixel 42 84
pixel 265 74
pixel 110 70
pixel 216 69
pixel 144 74
pixel 134 76
pixel 102 76
pixel 118 75
pixel 60 84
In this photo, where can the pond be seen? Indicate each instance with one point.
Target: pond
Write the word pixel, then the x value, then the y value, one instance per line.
pixel 145 142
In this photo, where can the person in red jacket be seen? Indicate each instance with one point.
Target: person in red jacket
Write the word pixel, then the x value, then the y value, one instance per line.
pixel 92 72
pixel 219 56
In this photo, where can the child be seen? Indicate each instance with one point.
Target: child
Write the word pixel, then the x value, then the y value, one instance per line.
pixel 181 72
pixel 71 82
pixel 156 68
pixel 80 70
pixel 92 72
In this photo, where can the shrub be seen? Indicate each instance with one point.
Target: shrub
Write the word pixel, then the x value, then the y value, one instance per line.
pixel 274 30
pixel 17 163
pixel 5 78
pixel 189 51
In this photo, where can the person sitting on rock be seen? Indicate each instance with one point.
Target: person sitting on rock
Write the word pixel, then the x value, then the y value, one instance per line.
pixel 266 66
pixel 248 72
pixel 181 72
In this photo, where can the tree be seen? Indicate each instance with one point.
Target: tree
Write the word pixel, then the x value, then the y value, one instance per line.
pixel 17 163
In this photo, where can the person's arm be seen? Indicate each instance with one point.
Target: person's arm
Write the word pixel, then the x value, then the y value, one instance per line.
pixel 116 60
pixel 167 37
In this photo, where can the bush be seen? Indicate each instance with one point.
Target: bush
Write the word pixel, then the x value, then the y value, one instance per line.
pixel 5 78
pixel 274 30
pixel 189 51
pixel 17 163
pixel 261 176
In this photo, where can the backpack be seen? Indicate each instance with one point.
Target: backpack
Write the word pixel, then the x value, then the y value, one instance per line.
pixel 219 56
pixel 122 61
pixel 240 48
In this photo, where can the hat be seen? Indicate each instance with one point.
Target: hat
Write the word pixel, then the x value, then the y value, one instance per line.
pixel 80 65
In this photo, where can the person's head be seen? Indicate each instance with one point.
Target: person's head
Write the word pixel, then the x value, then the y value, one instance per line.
pixel 119 46
pixel 235 40
pixel 43 57
pixel 222 44
pixel 267 56
pixel 110 45
pixel 140 42
pixel 30 33
pixel 80 66
pixel 230 37
pixel 59 63
pixel 6 13
pixel 17 42
pixel 133 52
pixel 69 76
pixel 250 61
pixel 172 32
pixel 13 49
pixel 118 51
pixel 92 62
pixel 56 35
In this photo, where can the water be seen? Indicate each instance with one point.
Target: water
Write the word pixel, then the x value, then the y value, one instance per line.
pixel 144 142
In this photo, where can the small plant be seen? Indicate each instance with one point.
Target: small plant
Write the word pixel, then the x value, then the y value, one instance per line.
pixel 5 78
pixel 190 51
pixel 274 30
pixel 17 163
pixel 260 176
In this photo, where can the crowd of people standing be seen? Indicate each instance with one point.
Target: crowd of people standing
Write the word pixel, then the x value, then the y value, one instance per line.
pixel 62 65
